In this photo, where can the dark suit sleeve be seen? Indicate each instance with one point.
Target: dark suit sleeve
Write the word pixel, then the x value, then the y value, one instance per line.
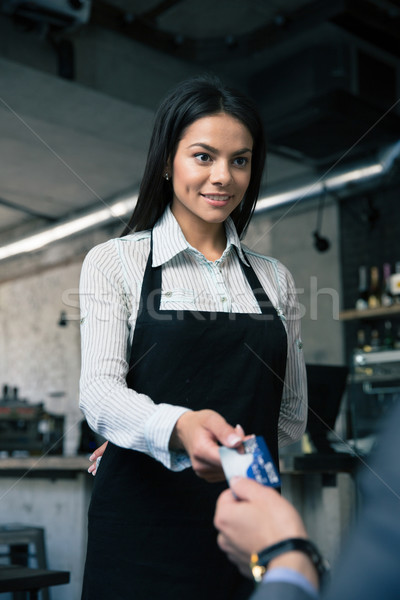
pixel 369 565
pixel 276 590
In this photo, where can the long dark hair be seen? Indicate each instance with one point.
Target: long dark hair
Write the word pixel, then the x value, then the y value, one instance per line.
pixel 191 100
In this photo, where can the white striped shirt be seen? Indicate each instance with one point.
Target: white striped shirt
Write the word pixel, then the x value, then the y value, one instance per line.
pixel 111 280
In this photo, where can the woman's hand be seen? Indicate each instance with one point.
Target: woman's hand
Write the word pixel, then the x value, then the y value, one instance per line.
pixel 95 458
pixel 200 433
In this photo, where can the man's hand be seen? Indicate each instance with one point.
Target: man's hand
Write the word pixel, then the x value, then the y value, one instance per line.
pixel 251 517
pixel 200 433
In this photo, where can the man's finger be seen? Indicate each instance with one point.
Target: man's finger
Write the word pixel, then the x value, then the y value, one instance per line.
pixel 248 489
pixel 226 498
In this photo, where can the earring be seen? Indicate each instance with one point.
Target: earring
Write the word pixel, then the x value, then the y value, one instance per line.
pixel 166 176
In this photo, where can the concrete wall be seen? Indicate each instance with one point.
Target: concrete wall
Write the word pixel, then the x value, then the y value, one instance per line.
pixel 37 355
pixel 40 357
pixel 287 235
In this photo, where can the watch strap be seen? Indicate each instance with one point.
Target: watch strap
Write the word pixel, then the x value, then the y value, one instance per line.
pixel 259 561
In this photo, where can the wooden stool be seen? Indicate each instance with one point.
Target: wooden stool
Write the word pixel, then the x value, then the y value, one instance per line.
pixel 18 537
pixel 22 579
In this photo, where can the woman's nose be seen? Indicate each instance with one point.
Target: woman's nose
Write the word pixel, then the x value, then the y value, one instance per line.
pixel 220 173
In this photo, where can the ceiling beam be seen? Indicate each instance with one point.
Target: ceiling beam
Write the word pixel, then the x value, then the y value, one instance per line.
pixel 376 24
pixel 364 18
pixel 27 210
pixel 159 9
pixel 142 28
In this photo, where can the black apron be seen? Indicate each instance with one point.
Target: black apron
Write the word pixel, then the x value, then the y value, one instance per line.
pixel 151 533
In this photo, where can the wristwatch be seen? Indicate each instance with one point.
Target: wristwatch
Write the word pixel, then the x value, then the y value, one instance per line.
pixel 259 561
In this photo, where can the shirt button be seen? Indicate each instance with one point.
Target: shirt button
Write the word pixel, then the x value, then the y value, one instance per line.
pixel 224 299
pixel 168 294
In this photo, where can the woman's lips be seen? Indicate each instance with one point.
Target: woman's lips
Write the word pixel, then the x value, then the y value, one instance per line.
pixel 217 199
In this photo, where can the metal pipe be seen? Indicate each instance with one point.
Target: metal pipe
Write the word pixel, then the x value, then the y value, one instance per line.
pixel 334 182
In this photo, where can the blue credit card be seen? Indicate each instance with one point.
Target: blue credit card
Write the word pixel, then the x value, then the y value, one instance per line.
pixel 255 462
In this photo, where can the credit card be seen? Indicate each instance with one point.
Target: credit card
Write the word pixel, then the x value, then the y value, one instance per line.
pixel 255 462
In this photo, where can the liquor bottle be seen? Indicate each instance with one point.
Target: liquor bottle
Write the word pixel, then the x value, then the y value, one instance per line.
pixel 388 338
pixel 375 340
pixel 386 297
pixel 361 341
pixel 374 297
pixel 395 284
pixel 362 298
pixel 6 394
pixel 396 339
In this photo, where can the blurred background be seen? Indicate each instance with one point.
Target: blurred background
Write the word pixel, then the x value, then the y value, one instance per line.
pixel 80 81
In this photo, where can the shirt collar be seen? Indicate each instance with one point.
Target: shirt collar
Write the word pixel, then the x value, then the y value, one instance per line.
pixel 168 239
pixel 233 239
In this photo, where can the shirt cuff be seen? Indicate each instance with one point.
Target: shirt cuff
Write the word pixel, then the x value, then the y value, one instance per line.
pixel 284 574
pixel 157 432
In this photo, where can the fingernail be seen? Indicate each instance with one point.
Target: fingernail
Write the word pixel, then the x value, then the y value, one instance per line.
pixel 240 429
pixel 233 439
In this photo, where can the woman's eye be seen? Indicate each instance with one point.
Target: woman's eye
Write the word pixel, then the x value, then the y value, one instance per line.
pixel 203 156
pixel 241 161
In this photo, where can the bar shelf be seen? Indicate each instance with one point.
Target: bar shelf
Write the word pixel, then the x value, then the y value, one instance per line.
pixel 370 313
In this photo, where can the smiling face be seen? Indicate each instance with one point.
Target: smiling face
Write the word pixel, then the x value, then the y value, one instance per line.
pixel 210 171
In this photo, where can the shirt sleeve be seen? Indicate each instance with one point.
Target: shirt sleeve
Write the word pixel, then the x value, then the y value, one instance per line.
pixel 293 413
pixel 123 416
pixel 286 575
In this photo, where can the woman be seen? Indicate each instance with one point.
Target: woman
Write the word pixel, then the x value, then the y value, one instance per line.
pixel 185 333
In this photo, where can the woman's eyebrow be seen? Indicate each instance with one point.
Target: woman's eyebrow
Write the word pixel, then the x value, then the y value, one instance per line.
pixel 212 149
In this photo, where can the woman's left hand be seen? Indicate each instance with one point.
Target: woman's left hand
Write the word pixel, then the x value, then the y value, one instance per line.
pixel 96 457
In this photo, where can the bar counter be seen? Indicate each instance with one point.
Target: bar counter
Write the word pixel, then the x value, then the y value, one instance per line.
pixel 44 466
pixel 71 466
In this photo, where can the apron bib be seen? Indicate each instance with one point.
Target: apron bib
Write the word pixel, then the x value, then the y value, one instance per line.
pixel 151 533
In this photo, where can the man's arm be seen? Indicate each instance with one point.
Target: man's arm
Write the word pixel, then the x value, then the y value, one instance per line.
pixel 369 563
pixel 280 590
pixel 251 517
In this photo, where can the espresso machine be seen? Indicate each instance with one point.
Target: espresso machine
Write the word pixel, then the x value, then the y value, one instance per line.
pixel 27 428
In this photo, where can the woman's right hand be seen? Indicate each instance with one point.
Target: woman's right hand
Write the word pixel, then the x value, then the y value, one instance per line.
pixel 201 433
pixel 95 458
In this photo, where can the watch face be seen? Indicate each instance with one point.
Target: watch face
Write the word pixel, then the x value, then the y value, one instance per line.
pixel 257 570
